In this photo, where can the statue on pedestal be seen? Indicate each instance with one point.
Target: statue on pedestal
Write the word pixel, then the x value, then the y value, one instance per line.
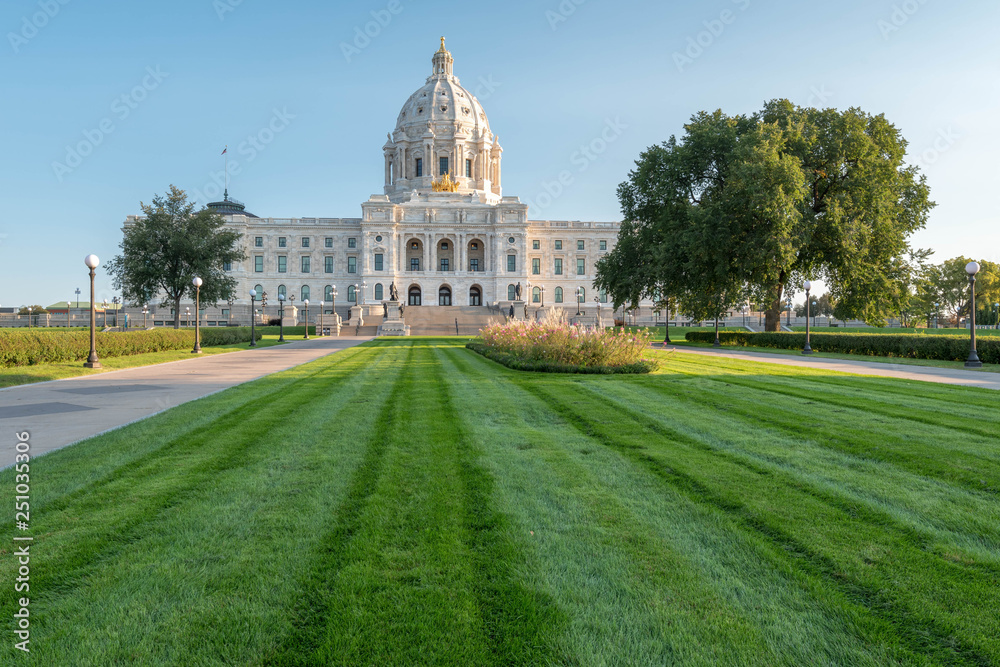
pixel 393 292
pixel 517 291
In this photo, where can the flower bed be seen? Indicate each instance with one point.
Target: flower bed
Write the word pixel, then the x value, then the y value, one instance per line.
pixel 558 347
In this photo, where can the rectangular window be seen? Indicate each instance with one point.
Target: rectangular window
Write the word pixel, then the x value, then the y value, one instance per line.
pixel 418 168
pixel 281 241
pixel 306 265
pixel 558 245
pixel 604 245
pixel 444 263
pixel 535 245
pixel 473 265
pixel 468 168
pixel 580 245
pixel 604 294
pixel 581 267
pixel 352 243
pixel 328 242
pixel 558 267
pixel 442 166
pixel 258 264
pixel 352 264
pixel 378 262
pixel 414 264
pixel 328 264
pixel 258 242
pixel 305 241
pixel 536 266
pixel 282 264
pixel 511 263
pixel 225 312
pixel 227 266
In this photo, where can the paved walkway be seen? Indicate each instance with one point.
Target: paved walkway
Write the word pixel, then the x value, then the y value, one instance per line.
pixel 61 412
pixel 967 378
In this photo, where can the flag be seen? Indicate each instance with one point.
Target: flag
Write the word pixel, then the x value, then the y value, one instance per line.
pixel 225 149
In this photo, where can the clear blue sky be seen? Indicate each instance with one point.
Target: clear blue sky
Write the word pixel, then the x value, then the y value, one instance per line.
pixel 551 76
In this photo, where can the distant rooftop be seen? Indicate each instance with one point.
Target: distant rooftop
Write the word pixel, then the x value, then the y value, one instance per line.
pixel 230 206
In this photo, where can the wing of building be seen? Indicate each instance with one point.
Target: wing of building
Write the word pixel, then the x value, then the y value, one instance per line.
pixel 442 230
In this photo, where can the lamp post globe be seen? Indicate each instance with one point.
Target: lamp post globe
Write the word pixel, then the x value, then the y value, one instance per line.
pixel 197 282
pixel 322 307
pixel 253 318
pixel 92 263
pixel 281 317
pixel 807 349
pixel 305 302
pixel 972 268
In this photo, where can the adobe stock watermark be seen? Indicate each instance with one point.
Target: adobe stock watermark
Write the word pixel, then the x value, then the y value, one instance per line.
pixel 699 43
pixel 31 25
pixel 223 7
pixel 900 16
pixel 582 158
pixel 818 95
pixel 249 148
pixel 364 34
pixel 562 12
pixel 121 108
pixel 946 138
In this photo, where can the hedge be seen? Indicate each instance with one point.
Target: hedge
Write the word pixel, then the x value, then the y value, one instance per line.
pixel 299 330
pixel 21 347
pixel 907 346
pixel 518 364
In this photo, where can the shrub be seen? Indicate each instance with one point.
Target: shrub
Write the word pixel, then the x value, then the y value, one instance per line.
pixel 541 366
pixel 557 346
pixel 907 346
pixel 20 347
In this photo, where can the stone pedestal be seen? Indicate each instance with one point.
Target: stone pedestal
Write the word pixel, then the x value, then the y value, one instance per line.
pixel 357 316
pixel 291 316
pixel 518 310
pixel 393 324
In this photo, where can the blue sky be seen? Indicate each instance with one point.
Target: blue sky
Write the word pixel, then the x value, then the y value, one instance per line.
pixel 153 91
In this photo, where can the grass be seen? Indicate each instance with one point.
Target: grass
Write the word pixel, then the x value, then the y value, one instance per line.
pixel 18 375
pixel 409 502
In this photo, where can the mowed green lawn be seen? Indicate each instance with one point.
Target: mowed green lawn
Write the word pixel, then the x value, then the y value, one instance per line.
pixel 408 502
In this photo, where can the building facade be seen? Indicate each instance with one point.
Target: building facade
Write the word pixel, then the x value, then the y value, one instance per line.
pixel 442 230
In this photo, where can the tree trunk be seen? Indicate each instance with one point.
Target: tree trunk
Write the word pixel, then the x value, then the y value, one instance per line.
pixel 772 318
pixel 177 312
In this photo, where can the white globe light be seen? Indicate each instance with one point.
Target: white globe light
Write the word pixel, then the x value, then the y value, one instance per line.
pixel 972 268
pixel 253 294
pixel 197 282
pixel 306 302
pixel 808 285
pixel 91 261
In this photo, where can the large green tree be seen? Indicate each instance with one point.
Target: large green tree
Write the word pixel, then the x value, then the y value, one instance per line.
pixel 944 288
pixel 170 245
pixel 750 206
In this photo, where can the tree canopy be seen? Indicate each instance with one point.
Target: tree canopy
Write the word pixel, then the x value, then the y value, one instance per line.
pixel 170 245
pixel 745 207
pixel 944 288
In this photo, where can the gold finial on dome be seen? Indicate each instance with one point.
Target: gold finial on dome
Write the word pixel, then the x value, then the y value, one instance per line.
pixel 442 49
pixel 444 185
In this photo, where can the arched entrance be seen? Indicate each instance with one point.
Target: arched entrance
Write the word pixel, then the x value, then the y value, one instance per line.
pixel 475 296
pixel 444 296
pixel 413 296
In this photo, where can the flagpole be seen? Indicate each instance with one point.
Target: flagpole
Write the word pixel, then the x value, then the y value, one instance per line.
pixel 226 153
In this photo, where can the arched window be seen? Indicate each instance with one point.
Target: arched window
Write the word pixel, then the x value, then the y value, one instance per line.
pixel 444 296
pixel 511 293
pixel 305 292
pixel 282 291
pixel 259 289
pixel 352 295
pixel 413 296
pixel 328 293
pixel 536 295
pixel 475 296
pixel 559 295
pixel 378 291
pixel 583 294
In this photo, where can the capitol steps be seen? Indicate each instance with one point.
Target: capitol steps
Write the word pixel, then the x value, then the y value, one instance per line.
pixel 447 320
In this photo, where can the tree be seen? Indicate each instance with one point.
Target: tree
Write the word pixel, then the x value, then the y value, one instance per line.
pixel 35 310
pixel 164 250
pixel 947 284
pixel 750 206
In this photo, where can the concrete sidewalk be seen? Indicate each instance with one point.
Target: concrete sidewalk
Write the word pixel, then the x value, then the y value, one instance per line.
pixel 61 412
pixel 967 378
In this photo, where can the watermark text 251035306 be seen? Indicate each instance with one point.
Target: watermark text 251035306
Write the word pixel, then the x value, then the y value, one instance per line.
pixel 22 552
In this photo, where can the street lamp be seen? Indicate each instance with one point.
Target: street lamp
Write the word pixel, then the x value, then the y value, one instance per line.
pixel 788 317
pixel 807 349
pixel 69 315
pixel 116 301
pixel 717 343
pixel 77 297
pixel 253 318
pixel 364 288
pixel 104 320
pixel 579 300
pixel 322 305
pixel 29 316
pixel 972 268
pixel 197 282
pixel 281 317
pixel 746 309
pixel 92 263
pixel 814 309
pixel 145 311
pixel 542 292
pixel 937 310
pixel 231 300
pixel 187 316
pixel 333 305
pixel 306 304
pixel 996 308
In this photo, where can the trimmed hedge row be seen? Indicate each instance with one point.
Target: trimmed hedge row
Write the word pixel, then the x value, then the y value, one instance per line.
pixel 518 364
pixel 20 347
pixel 907 346
pixel 299 330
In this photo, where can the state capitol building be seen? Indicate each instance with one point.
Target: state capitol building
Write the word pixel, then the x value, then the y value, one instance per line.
pixel 442 231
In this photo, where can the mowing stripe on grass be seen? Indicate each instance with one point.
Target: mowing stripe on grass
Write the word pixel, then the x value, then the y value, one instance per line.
pixel 919 611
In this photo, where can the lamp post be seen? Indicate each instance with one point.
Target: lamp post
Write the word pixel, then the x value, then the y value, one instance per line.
pixel 116 301
pixel 30 309
pixel 357 298
pixel 306 304
pixel 937 310
pixel 187 316
pixel 579 300
pixel 77 297
pixel 145 311
pixel 322 305
pixel 197 282
pixel 263 308
pixel 253 318
pixel 361 299
pixel 788 317
pixel 972 268
pixel 717 343
pixel 69 316
pixel 542 293
pixel 104 320
pixel 807 349
pixel 996 308
pixel 281 317
pixel 745 310
pixel 814 312
pixel 231 300
pixel 333 305
pixel 92 263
